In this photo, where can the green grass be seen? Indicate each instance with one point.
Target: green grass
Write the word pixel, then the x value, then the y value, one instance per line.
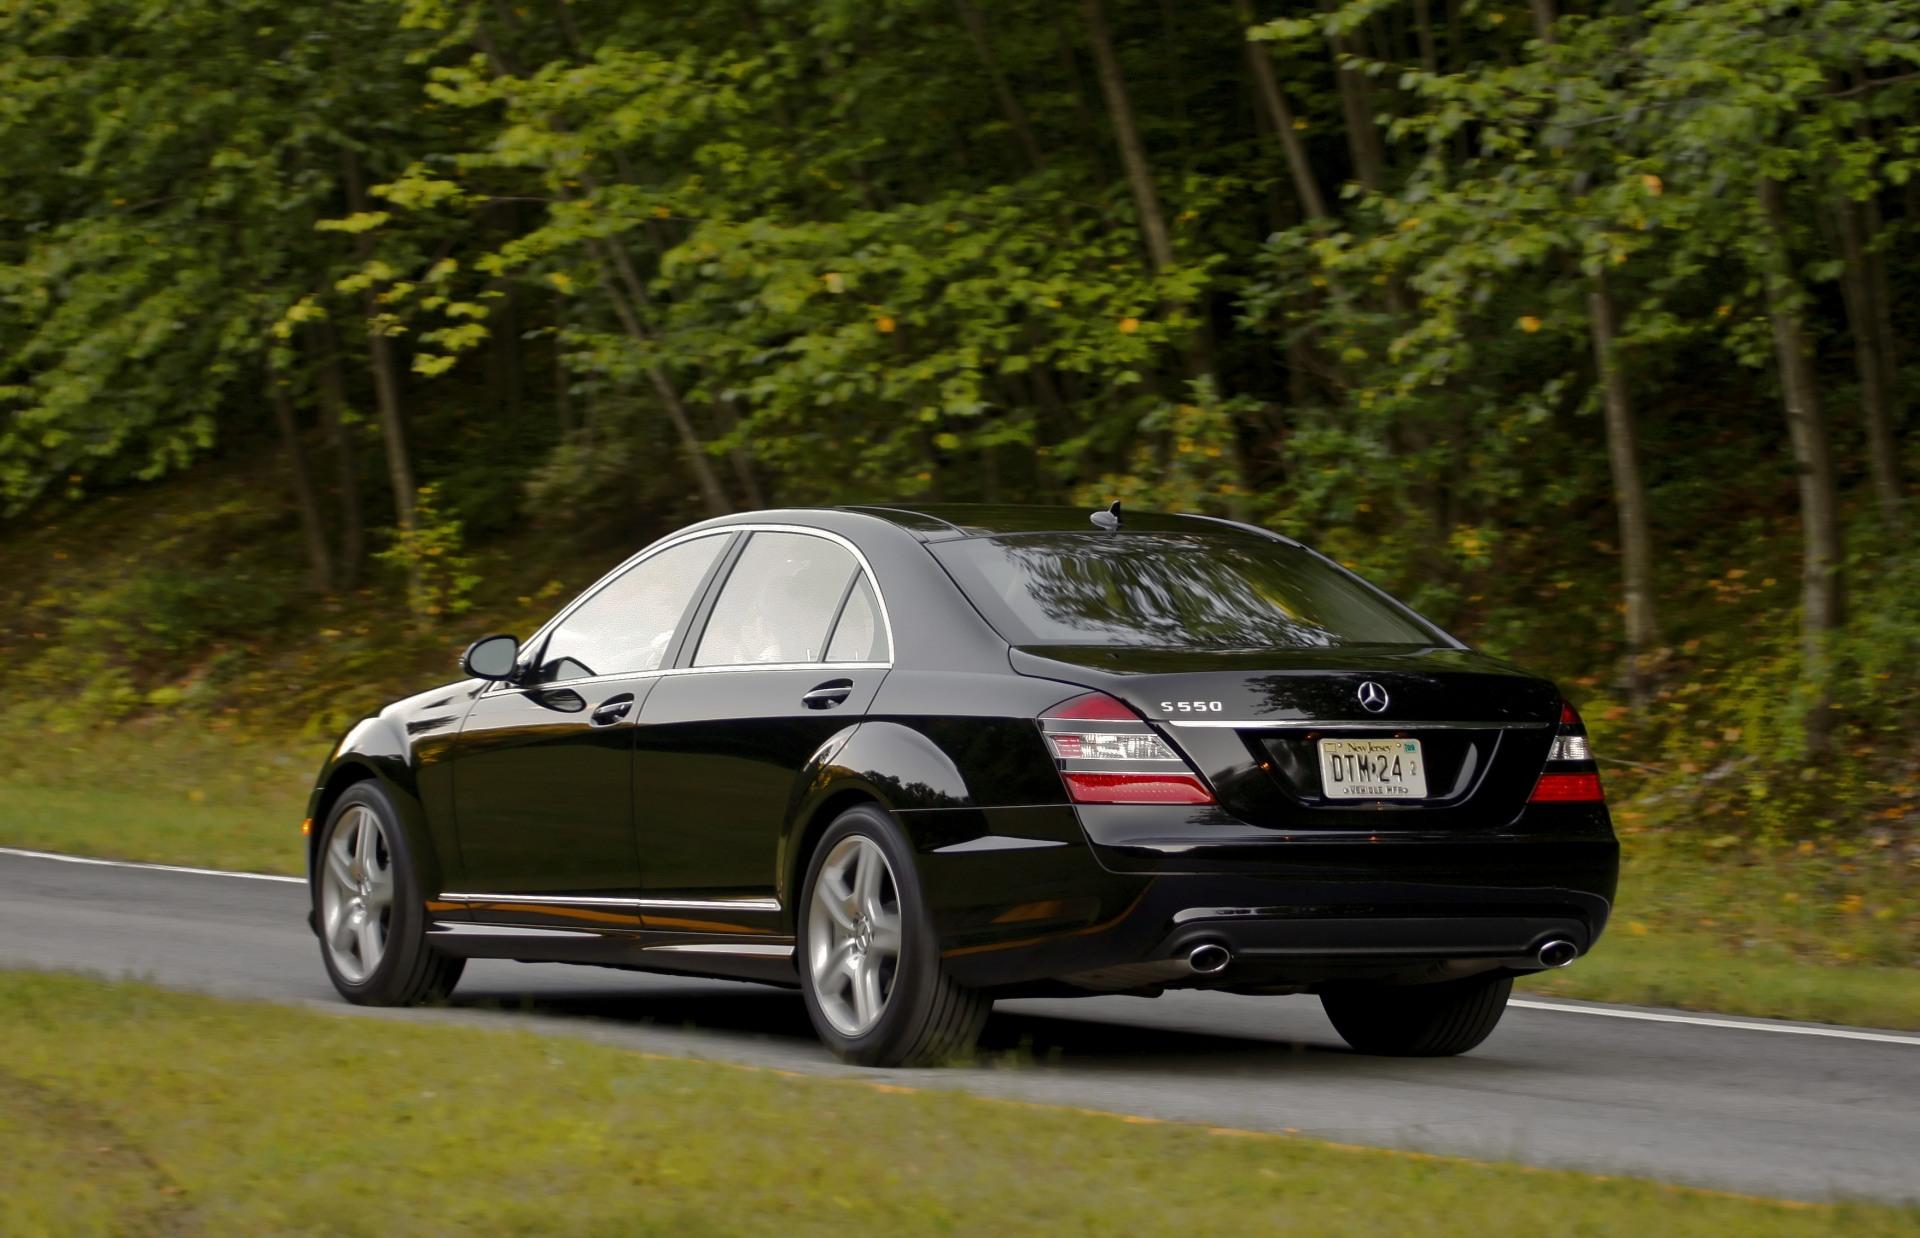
pixel 1698 973
pixel 157 792
pixel 126 1109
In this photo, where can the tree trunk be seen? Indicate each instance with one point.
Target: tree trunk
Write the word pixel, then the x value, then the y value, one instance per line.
pixel 562 382
pixel 1126 134
pixel 393 430
pixel 1356 111
pixel 1629 491
pixel 1267 85
pixel 300 482
pixel 1543 19
pixel 386 392
pixel 1865 315
pixel 1009 102
pixel 1821 584
pixel 333 408
pixel 740 456
pixel 1423 30
pixel 663 385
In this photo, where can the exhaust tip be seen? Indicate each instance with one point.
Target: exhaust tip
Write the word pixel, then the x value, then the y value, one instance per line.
pixel 1209 958
pixel 1557 953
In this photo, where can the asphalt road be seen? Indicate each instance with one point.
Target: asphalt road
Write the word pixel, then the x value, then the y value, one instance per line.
pixel 1742 1105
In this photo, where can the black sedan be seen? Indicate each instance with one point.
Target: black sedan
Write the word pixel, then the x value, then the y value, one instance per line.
pixel 912 760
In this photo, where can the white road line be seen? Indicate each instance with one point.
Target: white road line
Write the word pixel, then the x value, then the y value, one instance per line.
pixel 1789 1029
pixel 158 868
pixel 1645 1016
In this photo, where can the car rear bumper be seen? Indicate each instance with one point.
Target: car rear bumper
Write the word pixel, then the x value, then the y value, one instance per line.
pixel 1124 910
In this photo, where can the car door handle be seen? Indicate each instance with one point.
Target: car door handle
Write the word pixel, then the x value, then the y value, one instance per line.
pixel 611 710
pixel 829 694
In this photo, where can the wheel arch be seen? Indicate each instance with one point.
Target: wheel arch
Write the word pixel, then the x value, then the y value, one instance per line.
pixel 351 770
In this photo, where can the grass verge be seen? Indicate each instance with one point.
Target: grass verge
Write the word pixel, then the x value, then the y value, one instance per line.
pixel 131 1109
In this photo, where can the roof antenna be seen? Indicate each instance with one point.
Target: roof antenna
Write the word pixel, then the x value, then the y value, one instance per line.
pixel 1108 519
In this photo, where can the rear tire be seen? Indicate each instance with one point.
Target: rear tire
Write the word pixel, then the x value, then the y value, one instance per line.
pixel 1419 1020
pixel 863 920
pixel 369 910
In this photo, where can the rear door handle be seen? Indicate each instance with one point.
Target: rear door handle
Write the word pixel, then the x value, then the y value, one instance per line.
pixel 611 710
pixel 829 694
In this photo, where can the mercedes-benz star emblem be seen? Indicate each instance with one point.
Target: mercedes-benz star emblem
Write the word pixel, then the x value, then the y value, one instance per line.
pixel 1373 697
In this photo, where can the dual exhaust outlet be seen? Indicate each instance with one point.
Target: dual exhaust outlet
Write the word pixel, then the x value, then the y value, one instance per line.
pixel 1210 958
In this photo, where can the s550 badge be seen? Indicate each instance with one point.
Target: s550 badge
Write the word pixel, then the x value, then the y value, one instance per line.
pixel 1191 707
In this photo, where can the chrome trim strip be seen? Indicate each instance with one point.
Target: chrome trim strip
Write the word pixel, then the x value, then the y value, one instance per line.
pixel 1385 724
pixel 997 842
pixel 459 929
pixel 743 950
pixel 638 904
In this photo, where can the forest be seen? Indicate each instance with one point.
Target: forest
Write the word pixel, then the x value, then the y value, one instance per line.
pixel 334 334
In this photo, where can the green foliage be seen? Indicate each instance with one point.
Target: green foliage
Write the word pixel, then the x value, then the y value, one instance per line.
pixel 586 270
pixel 441 578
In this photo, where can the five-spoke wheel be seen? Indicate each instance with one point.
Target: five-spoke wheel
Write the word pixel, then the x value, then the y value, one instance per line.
pixel 853 938
pixel 368 909
pixel 870 965
pixel 356 894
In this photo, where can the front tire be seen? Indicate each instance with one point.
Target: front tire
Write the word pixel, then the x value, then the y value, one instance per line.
pixel 870 969
pixel 1418 1020
pixel 369 909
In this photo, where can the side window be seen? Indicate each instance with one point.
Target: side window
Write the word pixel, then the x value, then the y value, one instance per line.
pixel 628 626
pixel 778 601
pixel 859 636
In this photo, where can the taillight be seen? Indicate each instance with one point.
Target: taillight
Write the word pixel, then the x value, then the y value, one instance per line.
pixel 1571 776
pixel 1107 755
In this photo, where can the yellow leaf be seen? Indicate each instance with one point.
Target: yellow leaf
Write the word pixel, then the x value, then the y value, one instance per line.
pixel 884 325
pixel 1129 325
pixel 1529 323
pixel 1653 185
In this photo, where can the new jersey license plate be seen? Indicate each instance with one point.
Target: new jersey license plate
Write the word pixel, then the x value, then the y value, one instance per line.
pixel 1372 769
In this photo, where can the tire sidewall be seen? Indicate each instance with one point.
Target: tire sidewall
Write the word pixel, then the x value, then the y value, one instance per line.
pixel 406 929
pixel 919 963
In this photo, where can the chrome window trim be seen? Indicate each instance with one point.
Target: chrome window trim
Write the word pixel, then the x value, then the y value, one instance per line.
pixel 1384 724
pixel 641 904
pixel 668 543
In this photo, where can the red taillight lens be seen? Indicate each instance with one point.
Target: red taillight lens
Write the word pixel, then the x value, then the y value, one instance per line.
pixel 1136 789
pixel 1571 776
pixel 1107 755
pixel 1568 789
pixel 1093 707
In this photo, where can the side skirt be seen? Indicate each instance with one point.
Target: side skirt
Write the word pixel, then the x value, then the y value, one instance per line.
pixel 766 959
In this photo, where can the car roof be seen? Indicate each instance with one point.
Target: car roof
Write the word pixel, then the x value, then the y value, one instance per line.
pixel 938 522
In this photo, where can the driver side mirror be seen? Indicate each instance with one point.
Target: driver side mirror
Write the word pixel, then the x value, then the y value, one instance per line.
pixel 492 657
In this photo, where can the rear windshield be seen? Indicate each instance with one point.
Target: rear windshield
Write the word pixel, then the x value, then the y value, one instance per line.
pixel 1184 590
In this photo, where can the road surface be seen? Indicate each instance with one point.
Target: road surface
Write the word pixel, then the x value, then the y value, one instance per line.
pixel 1779 1109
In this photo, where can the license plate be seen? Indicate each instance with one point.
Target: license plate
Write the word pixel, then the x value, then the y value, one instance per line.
pixel 1372 769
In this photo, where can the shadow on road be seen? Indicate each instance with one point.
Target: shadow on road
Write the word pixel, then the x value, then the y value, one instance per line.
pixel 1012 1035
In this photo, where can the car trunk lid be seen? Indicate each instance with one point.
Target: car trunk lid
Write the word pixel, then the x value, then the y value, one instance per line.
pixel 1252 722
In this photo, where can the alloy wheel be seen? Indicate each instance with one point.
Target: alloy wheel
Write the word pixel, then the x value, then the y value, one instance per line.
pixel 853 935
pixel 356 894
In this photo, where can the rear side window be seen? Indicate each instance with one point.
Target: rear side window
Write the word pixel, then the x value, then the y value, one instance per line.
pixel 778 602
pixel 629 624
pixel 1170 590
pixel 859 636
